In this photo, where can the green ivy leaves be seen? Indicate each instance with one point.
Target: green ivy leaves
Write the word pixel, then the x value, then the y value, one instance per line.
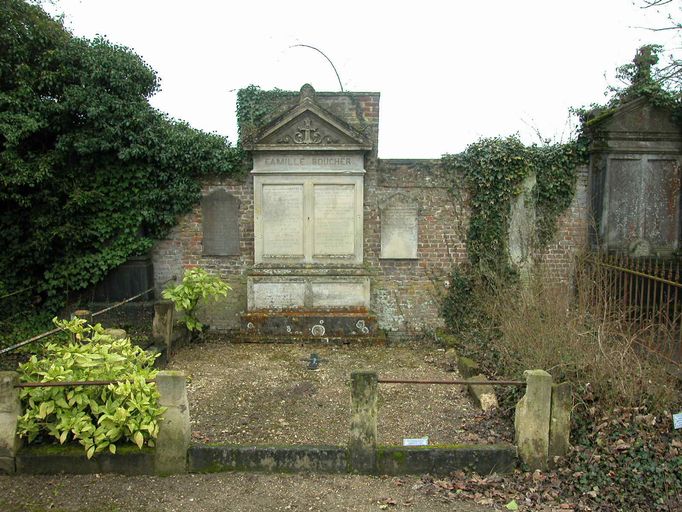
pixel 97 417
pixel 493 170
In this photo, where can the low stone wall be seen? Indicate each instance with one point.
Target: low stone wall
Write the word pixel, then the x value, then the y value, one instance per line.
pixel 542 428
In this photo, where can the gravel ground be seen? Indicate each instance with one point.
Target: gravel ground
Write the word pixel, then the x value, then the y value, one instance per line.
pixel 219 492
pixel 248 394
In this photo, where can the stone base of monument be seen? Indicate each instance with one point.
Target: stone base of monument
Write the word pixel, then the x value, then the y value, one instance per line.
pixel 310 326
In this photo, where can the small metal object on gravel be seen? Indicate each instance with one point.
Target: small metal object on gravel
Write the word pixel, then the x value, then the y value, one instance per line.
pixel 314 362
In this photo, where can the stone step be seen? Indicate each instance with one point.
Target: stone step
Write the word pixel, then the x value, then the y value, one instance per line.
pixel 322 326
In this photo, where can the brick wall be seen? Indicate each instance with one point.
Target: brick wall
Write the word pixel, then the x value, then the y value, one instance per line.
pixel 405 294
pixel 557 260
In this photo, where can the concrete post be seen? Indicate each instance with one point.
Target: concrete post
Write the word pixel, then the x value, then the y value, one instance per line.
pixel 10 410
pixel 531 421
pixel 173 440
pixel 560 421
pixel 363 426
pixel 162 326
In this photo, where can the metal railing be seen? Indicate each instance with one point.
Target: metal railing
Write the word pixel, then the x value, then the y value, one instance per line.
pixel 644 293
pixel 57 330
pixel 75 383
pixel 455 382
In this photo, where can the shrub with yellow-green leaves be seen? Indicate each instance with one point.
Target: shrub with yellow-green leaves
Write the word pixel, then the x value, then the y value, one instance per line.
pixel 97 417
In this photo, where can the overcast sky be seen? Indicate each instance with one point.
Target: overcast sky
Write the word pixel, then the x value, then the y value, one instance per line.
pixel 448 72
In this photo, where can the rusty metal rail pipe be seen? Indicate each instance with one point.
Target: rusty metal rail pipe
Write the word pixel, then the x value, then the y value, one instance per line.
pixel 96 313
pixel 76 383
pixel 456 382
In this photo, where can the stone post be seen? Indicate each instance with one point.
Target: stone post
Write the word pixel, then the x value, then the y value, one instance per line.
pixel 560 421
pixel 173 440
pixel 531 421
pixel 10 410
pixel 162 326
pixel 363 426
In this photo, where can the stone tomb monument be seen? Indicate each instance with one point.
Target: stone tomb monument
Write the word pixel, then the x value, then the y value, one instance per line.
pixel 308 279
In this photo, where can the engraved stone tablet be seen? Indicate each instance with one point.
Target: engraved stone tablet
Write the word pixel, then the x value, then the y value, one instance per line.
pixel 284 295
pixel 334 218
pixel 661 202
pixel 282 220
pixel 220 223
pixel 331 294
pixel 399 229
pixel 624 209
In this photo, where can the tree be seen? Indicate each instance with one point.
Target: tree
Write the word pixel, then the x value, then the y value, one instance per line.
pixel 90 173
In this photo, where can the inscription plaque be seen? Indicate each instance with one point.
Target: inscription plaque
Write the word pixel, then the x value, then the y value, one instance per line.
pixel 334 231
pixel 220 224
pixel 330 294
pixel 661 202
pixel 283 220
pixel 278 295
pixel 399 231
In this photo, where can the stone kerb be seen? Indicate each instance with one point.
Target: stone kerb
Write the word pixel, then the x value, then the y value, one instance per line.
pixel 10 410
pixel 174 436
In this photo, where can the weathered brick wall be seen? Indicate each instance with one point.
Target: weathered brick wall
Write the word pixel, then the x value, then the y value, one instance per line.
pixel 557 260
pixel 405 294
pixel 183 249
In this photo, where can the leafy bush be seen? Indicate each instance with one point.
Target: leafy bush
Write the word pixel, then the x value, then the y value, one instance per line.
pixel 196 284
pixel 98 417
pixel 90 173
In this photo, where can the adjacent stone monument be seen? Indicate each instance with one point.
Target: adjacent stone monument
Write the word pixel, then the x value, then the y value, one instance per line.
pixel 636 172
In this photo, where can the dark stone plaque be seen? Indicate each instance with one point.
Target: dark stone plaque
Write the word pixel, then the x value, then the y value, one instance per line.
pixel 220 218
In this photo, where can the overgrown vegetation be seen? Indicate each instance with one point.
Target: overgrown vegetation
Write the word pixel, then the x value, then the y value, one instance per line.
pixel 493 170
pixel 627 455
pixel 97 417
pixel 197 284
pixel 641 78
pixel 90 173
pixel 256 106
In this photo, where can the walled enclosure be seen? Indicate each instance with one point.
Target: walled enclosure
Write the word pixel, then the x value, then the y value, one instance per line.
pixel 405 292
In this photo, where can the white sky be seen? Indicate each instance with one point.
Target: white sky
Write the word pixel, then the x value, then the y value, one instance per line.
pixel 448 72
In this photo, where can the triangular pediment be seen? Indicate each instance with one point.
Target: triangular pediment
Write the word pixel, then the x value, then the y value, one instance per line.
pixel 309 127
pixel 640 116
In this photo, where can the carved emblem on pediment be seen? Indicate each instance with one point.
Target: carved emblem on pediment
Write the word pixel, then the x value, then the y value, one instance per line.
pixel 307 133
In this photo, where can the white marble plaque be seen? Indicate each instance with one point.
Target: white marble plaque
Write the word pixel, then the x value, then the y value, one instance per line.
pixel 282 220
pixel 399 232
pixel 334 220
pixel 330 294
pixel 284 295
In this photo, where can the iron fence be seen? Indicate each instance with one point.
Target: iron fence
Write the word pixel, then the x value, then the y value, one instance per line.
pixel 643 293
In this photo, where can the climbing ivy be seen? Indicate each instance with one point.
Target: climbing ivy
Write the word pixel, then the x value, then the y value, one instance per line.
pixel 255 106
pixel 493 171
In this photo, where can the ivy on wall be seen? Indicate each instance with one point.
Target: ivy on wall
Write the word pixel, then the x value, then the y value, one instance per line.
pixel 256 106
pixel 493 170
